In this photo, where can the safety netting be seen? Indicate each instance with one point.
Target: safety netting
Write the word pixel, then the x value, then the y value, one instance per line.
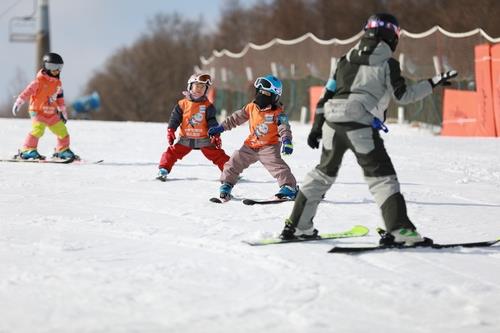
pixel 309 61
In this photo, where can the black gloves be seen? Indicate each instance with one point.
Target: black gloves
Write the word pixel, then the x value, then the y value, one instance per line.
pixel 442 79
pixel 316 132
pixel 313 138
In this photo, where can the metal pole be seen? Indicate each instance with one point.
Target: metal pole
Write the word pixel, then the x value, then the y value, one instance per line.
pixel 43 34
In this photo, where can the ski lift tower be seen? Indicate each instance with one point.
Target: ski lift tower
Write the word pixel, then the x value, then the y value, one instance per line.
pixel 33 28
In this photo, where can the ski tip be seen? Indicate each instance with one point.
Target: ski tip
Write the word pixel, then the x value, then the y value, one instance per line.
pixel 260 242
pixel 219 200
pixel 360 229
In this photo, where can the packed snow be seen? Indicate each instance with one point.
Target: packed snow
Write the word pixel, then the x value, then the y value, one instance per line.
pixel 107 248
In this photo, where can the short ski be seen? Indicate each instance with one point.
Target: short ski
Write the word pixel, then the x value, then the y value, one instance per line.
pixel 219 200
pixel 356 231
pixel 436 246
pixel 252 202
pixel 54 160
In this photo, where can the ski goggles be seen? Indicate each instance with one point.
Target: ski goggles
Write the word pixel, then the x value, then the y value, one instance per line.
pixel 53 67
pixel 204 78
pixel 373 24
pixel 266 85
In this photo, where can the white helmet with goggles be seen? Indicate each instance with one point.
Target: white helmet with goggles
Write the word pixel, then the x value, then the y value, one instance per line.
pixel 199 78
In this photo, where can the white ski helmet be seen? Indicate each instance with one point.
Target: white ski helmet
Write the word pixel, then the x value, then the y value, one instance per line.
pixel 199 78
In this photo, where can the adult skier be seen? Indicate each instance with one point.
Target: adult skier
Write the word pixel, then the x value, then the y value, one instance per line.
pixel 353 111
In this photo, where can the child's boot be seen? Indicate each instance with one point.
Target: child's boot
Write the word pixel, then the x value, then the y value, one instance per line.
pixel 65 154
pixel 225 191
pixel 162 174
pixel 31 154
pixel 287 192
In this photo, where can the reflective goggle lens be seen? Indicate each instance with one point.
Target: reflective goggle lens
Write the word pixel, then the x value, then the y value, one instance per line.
pixel 372 24
pixel 52 67
pixel 204 78
pixel 262 83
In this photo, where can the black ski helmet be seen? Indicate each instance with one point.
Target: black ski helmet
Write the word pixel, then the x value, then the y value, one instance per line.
pixel 384 27
pixel 52 61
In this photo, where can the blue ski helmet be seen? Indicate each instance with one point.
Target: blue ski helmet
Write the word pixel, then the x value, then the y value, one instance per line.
pixel 269 83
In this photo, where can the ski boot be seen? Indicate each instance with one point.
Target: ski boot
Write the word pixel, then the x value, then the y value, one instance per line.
pixel 32 154
pixel 290 232
pixel 65 154
pixel 162 174
pixel 402 237
pixel 287 192
pixel 225 191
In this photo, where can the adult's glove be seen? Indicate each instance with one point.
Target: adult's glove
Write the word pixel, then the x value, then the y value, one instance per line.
pixel 287 147
pixel 17 105
pixel 379 125
pixel 212 131
pixel 216 140
pixel 314 137
pixel 63 114
pixel 170 136
pixel 442 79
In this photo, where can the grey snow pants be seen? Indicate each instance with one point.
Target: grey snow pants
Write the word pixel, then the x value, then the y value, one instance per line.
pixel 368 147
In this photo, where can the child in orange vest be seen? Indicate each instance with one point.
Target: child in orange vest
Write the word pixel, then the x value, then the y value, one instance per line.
pixel 194 114
pixel 46 109
pixel 268 126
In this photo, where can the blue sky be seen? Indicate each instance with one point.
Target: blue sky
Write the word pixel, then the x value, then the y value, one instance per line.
pixel 86 33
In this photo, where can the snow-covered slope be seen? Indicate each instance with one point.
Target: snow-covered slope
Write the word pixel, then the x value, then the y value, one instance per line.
pixel 106 248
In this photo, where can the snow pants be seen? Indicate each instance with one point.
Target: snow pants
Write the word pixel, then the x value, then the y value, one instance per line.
pixel 38 125
pixel 269 156
pixel 368 147
pixel 178 151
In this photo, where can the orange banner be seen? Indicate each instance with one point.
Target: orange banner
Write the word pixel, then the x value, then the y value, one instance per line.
pixel 495 79
pixel 470 113
pixel 314 96
pixel 486 123
pixel 460 113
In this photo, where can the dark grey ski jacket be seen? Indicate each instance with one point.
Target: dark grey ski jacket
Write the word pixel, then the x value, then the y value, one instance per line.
pixel 367 77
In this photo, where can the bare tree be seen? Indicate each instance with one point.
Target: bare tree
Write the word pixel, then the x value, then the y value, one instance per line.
pixel 143 82
pixel 342 19
pixel 239 25
pixel 17 84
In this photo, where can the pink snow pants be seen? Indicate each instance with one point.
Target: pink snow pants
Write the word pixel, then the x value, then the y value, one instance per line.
pixel 270 158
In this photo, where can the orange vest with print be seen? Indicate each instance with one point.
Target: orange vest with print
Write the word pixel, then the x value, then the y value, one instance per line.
pixel 194 119
pixel 263 126
pixel 44 99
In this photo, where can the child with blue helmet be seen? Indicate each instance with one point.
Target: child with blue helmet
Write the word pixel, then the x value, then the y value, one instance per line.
pixel 270 134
